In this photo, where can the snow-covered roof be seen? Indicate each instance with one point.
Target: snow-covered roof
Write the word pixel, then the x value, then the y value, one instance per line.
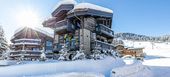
pixel 92 6
pixel 62 2
pixel 47 31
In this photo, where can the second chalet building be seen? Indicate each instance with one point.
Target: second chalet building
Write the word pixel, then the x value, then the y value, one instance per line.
pixel 81 26
pixel 29 42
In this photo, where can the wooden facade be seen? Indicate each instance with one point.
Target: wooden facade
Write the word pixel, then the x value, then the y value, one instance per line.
pixel 136 52
pixel 28 44
pixel 89 27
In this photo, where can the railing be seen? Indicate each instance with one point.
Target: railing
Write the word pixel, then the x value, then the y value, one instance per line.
pixel 25 53
pixel 27 43
pixel 39 40
pixel 106 30
pixel 104 44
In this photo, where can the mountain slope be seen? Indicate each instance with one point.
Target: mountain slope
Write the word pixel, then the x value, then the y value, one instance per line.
pixel 137 37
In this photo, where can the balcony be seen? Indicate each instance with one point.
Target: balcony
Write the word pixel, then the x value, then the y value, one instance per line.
pixel 103 44
pixel 61 26
pixel 27 43
pixel 19 53
pixel 102 29
pixel 28 40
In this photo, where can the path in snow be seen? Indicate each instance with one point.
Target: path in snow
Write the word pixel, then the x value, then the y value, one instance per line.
pixel 160 71
pixel 159 66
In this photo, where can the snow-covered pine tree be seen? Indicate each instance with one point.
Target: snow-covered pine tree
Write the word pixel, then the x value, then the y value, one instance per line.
pixel 67 55
pixel 43 55
pixel 79 55
pixel 63 53
pixel 3 42
pixel 97 53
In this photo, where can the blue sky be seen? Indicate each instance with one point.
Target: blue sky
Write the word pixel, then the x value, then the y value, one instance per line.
pixel 148 17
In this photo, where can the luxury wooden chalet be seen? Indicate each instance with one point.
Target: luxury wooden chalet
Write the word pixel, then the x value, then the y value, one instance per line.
pixel 135 52
pixel 29 42
pixel 89 25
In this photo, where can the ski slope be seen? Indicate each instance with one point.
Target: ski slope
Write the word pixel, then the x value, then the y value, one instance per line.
pixel 157 56
pixel 151 48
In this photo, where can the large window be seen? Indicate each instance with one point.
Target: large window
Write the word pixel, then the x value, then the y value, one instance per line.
pixel 105 21
pixel 49 45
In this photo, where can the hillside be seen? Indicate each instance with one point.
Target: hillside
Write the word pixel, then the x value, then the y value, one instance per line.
pixel 137 37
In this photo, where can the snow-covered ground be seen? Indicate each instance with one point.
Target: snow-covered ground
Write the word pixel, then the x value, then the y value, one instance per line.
pixel 108 67
pixel 155 64
pixel 73 74
pixel 158 56
pixel 98 68
pixel 7 62
pixel 133 70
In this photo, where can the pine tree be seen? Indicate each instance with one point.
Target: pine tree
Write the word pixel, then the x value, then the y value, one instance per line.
pixel 63 53
pixel 43 55
pixel 3 42
pixel 97 53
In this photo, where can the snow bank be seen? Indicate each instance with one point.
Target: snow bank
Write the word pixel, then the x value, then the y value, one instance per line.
pixel 7 62
pixel 93 66
pixel 134 70
pixel 92 6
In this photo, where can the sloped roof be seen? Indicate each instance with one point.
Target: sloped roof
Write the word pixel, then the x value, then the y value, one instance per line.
pixel 46 31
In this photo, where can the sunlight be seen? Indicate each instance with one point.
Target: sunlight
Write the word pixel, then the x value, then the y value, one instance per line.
pixel 28 18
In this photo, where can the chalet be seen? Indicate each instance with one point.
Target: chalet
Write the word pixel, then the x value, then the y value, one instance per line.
pixel 29 42
pixel 136 52
pixel 88 25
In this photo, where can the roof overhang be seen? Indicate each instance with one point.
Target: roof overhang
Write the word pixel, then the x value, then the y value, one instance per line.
pixel 64 8
pixel 31 33
pixel 89 12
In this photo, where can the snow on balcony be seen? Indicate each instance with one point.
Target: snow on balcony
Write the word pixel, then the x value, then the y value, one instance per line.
pixel 24 39
pixel 26 43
